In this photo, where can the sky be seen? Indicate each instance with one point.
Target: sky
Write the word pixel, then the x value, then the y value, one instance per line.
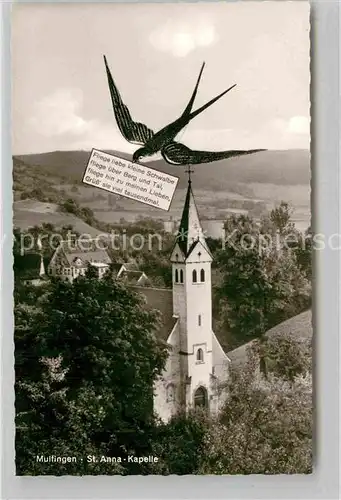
pixel 60 95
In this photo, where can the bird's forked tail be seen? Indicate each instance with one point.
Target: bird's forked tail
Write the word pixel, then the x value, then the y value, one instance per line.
pixel 209 103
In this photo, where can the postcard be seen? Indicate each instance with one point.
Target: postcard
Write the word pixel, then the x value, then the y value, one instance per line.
pixel 162 238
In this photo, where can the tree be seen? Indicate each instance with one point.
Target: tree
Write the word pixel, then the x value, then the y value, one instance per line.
pixel 214 245
pixel 284 357
pixel 261 283
pixel 98 399
pixel 48 227
pixel 281 218
pixel 157 267
pixel 149 223
pixel 304 253
pixel 265 427
pixel 25 195
pixel 179 444
pixel 71 206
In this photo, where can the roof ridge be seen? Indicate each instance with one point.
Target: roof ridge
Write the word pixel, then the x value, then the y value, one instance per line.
pixel 152 288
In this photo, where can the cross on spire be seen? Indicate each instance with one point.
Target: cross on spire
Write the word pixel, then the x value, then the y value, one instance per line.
pixel 189 171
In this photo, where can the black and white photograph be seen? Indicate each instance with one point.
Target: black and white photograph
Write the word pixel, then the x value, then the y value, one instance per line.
pixel 162 238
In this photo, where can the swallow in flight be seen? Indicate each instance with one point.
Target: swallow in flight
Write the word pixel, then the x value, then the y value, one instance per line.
pixel 163 141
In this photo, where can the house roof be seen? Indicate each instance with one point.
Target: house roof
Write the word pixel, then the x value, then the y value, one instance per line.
pixel 190 230
pixel 130 266
pixel 85 250
pixel 99 264
pixel 162 300
pixel 298 327
pixel 115 266
pixel 85 257
pixel 132 277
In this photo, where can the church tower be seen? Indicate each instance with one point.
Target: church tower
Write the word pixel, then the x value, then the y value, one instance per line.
pixel 192 303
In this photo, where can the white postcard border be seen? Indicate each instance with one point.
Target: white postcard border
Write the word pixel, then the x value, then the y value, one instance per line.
pixel 324 482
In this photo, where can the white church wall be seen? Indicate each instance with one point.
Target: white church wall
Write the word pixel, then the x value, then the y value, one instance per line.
pixel 199 306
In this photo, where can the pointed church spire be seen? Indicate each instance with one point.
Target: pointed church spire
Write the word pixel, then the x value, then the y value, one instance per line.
pixel 40 248
pixel 190 230
pixel 42 267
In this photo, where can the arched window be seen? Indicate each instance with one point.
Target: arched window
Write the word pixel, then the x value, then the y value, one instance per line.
pixel 170 393
pixel 176 276
pixel 200 355
pixel 200 397
pixel 181 276
pixel 194 276
pixel 202 275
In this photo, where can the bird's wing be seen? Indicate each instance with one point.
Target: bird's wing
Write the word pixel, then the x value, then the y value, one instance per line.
pixel 179 154
pixel 134 132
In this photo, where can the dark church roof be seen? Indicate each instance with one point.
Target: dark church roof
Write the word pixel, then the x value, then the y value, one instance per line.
pixel 182 236
pixel 162 300
pixel 190 230
pixel 298 327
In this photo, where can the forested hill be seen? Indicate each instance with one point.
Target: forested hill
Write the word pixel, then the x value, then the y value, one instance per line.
pixel 285 167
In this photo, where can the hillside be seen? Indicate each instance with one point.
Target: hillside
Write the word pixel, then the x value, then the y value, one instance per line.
pixel 30 181
pixel 289 167
pixel 254 183
pixel 30 213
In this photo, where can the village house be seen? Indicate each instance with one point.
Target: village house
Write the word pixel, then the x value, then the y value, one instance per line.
pixel 72 260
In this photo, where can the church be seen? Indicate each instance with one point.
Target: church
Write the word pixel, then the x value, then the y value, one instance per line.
pixel 197 366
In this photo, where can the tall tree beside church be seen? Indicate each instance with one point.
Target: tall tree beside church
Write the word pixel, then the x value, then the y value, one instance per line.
pixel 262 282
pixel 265 426
pixel 95 356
